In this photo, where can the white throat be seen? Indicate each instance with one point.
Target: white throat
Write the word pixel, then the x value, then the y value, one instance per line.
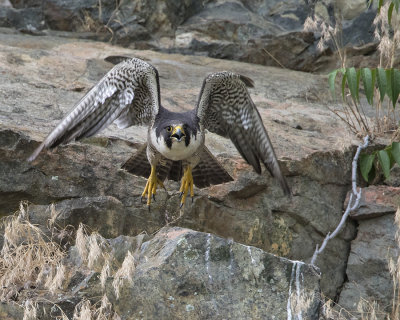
pixel 178 150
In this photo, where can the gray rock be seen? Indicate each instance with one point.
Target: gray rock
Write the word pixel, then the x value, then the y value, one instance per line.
pixel 268 35
pixel 27 20
pixel 182 273
pixel 104 212
pixel 377 201
pixel 20 4
pixel 351 9
pixel 368 266
pixel 360 30
pixel 255 31
pixel 11 311
pixel 75 15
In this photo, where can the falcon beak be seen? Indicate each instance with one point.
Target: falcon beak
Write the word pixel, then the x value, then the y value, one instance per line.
pixel 178 133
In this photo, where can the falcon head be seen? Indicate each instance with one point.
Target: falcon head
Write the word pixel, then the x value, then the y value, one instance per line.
pixel 175 133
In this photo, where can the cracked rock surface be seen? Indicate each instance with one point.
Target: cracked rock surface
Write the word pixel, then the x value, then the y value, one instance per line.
pixel 43 77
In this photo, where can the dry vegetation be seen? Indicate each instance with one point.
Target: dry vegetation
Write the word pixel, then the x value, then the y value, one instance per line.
pixel 387 34
pixel 351 111
pixel 34 268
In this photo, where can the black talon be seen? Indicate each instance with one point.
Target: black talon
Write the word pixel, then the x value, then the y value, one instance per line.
pixel 181 205
pixel 148 206
pixel 141 200
pixel 154 197
pixel 181 194
pixel 192 199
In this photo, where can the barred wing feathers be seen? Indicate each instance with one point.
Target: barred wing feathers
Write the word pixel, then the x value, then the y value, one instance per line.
pixel 225 108
pixel 129 94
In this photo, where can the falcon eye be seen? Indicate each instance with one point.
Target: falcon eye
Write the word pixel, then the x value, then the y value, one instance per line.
pixel 169 128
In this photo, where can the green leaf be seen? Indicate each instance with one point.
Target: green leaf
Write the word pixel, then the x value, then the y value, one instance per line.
pixel 393 85
pixel 391 158
pixel 331 81
pixel 384 160
pixel 396 4
pixel 396 152
pixel 368 79
pixel 380 3
pixel 366 161
pixel 389 73
pixel 353 80
pixel 343 85
pixel 390 12
pixel 382 83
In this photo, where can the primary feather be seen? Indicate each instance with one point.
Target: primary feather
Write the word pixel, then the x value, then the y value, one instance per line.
pixel 226 108
pixel 128 94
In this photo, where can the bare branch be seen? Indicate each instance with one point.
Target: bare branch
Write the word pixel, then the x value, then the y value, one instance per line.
pixel 351 206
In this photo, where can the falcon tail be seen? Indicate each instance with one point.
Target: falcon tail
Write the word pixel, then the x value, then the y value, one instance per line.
pixel 208 172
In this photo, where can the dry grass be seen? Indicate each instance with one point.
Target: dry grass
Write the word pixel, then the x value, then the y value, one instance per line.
pixel 28 260
pixel 388 37
pixel 125 273
pixel 98 311
pixel 332 311
pixel 30 310
pixel 33 267
pixel 331 33
pixel 328 32
pixel 366 310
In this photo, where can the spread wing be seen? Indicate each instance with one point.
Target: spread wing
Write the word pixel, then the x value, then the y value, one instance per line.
pixel 225 108
pixel 129 94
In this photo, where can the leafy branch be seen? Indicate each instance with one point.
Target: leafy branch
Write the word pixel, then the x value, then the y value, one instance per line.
pixel 384 159
pixel 387 81
pixel 394 4
pixel 376 81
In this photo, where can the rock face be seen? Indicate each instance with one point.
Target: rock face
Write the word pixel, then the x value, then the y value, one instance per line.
pixel 43 77
pixel 199 276
pixel 371 251
pixel 178 274
pixel 256 31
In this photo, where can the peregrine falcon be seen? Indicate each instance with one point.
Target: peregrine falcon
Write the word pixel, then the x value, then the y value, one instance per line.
pixel 129 94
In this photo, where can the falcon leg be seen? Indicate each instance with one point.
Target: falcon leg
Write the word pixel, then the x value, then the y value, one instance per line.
pixel 151 186
pixel 186 184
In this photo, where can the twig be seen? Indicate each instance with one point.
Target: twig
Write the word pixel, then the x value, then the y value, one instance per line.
pixel 275 59
pixel 350 206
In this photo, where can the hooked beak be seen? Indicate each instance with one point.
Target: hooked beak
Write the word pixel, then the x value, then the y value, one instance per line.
pixel 178 133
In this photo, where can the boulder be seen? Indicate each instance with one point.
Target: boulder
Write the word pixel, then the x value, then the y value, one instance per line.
pixel 367 270
pixel 368 275
pixel 377 201
pixel 181 273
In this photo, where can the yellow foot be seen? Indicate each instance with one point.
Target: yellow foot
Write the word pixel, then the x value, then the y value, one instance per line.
pixel 151 186
pixel 186 183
